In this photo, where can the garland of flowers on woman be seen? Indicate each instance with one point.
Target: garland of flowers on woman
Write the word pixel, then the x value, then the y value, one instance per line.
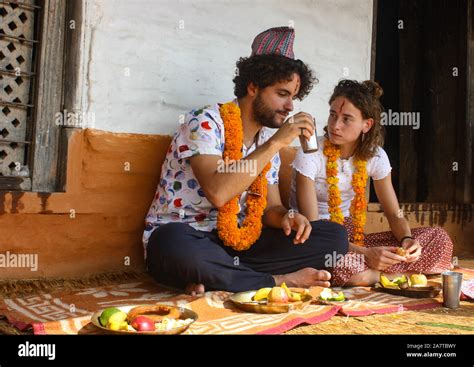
pixel 353 143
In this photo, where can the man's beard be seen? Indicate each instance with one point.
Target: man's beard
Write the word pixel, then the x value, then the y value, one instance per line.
pixel 263 114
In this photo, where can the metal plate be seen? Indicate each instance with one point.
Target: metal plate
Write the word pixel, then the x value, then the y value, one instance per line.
pixel 430 291
pixel 184 314
pixel 243 300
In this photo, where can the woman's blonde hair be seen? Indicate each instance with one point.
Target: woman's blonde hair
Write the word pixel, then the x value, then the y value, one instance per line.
pixel 365 96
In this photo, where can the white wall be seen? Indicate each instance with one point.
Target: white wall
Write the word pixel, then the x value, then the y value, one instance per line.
pixel 173 70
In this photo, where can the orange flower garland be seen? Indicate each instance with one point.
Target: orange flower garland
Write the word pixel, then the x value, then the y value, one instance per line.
pixel 358 204
pixel 240 238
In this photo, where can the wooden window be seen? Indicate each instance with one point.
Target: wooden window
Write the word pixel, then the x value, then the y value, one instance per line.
pixel 32 37
pixel 18 48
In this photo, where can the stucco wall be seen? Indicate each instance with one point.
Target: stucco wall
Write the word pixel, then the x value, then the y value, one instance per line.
pixel 97 225
pixel 149 61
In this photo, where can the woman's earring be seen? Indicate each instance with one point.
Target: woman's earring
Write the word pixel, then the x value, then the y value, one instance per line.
pixel 363 137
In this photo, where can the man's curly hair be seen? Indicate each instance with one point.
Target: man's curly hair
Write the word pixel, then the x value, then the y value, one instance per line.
pixel 266 70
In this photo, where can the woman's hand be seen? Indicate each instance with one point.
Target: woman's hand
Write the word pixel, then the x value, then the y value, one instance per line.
pixel 298 223
pixel 413 249
pixel 382 257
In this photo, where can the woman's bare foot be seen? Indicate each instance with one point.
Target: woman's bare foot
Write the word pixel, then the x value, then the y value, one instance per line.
pixel 364 279
pixel 370 277
pixel 305 278
pixel 194 289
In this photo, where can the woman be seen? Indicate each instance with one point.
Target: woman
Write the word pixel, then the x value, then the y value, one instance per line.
pixel 330 184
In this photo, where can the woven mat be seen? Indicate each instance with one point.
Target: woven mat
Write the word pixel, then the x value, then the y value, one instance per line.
pixel 69 311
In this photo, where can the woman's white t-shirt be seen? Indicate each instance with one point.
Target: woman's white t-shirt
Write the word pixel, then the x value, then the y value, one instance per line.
pixel 313 166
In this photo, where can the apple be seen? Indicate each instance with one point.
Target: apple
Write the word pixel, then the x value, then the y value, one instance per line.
pixel 418 280
pixel 278 295
pixel 143 323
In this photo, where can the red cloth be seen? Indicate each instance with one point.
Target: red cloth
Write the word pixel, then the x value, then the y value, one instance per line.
pixel 436 254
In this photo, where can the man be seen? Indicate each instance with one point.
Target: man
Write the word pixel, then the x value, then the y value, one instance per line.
pixel 192 239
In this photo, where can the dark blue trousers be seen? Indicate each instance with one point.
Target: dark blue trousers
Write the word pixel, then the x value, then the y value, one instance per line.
pixel 178 254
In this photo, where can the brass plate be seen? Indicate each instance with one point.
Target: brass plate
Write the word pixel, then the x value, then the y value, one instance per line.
pixel 243 300
pixel 430 291
pixel 184 314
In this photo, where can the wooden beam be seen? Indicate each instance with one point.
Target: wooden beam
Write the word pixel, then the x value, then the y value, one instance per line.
pixel 49 96
pixel 72 81
pixel 373 54
pixel 12 183
pixel 409 89
pixel 469 134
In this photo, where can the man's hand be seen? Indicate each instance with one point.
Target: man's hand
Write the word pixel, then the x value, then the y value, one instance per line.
pixel 301 123
pixel 298 223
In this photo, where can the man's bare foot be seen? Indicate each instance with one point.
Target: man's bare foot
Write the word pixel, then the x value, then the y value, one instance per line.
pixel 194 289
pixel 305 278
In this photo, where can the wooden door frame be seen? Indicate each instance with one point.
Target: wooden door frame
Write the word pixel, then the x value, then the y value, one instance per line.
pixel 465 186
pixel 468 178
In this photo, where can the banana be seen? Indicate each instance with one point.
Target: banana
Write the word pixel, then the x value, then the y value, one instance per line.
pixel 387 283
pixel 293 296
pixel 262 293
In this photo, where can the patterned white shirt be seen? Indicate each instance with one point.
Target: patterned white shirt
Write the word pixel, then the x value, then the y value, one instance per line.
pixel 179 196
pixel 313 166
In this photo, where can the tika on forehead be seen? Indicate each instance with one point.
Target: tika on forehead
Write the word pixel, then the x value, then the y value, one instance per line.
pixel 338 105
pixel 342 105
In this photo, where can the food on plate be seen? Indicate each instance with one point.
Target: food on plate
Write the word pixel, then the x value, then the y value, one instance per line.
pixel 106 314
pixel 281 294
pixel 169 324
pixel 418 280
pixel 143 323
pixel 328 294
pixel 153 318
pixel 278 295
pixel 401 252
pixel 121 325
pixel 117 321
pixel 387 283
pixel 155 312
pixel 261 294
pixel 292 296
pixel 404 282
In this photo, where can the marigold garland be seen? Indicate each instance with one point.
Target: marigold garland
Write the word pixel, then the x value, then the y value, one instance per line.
pixel 243 237
pixel 358 204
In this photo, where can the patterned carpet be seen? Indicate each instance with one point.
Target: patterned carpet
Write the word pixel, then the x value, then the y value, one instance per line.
pixel 66 309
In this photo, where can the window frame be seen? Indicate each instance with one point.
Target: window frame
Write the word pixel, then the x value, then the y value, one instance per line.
pixel 54 92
